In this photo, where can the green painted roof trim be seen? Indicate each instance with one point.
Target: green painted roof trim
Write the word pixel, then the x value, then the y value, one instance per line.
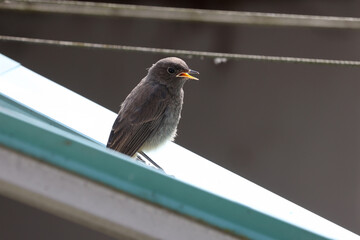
pixel 14 105
pixel 38 138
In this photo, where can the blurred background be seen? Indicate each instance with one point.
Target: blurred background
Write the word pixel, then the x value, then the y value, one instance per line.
pixel 291 128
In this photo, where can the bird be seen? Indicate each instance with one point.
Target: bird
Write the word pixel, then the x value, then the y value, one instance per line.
pixel 149 115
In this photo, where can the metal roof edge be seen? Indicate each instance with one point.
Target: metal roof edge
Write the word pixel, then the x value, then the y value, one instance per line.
pixel 84 157
pixel 10 103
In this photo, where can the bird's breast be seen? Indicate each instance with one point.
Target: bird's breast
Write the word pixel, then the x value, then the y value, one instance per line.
pixel 168 127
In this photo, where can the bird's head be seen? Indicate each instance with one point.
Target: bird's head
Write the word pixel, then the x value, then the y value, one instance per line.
pixel 171 71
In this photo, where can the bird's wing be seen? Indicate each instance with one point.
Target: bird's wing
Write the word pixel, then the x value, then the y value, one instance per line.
pixel 137 120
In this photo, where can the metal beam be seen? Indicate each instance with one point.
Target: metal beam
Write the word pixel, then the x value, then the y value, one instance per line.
pixel 180 14
pixel 80 200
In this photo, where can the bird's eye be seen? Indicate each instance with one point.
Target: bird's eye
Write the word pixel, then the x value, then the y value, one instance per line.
pixel 170 70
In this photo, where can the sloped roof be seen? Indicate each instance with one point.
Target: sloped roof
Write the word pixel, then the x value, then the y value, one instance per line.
pixel 67 132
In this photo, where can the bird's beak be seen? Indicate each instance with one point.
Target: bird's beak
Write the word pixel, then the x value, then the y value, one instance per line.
pixel 187 75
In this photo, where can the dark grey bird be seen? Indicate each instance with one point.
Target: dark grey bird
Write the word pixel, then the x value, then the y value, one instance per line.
pixel 149 115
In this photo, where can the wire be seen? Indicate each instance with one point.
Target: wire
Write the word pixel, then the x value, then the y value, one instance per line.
pixel 182 14
pixel 218 57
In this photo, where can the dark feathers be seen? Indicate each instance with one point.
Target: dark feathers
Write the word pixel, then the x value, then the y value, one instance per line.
pixel 138 119
pixel 151 112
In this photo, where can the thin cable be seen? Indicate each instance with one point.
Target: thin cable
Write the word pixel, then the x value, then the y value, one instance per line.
pixel 219 57
pixel 181 14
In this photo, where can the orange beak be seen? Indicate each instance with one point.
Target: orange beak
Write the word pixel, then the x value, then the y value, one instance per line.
pixel 187 75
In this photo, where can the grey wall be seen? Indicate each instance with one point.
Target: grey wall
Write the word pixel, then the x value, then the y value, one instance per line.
pixel 291 128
